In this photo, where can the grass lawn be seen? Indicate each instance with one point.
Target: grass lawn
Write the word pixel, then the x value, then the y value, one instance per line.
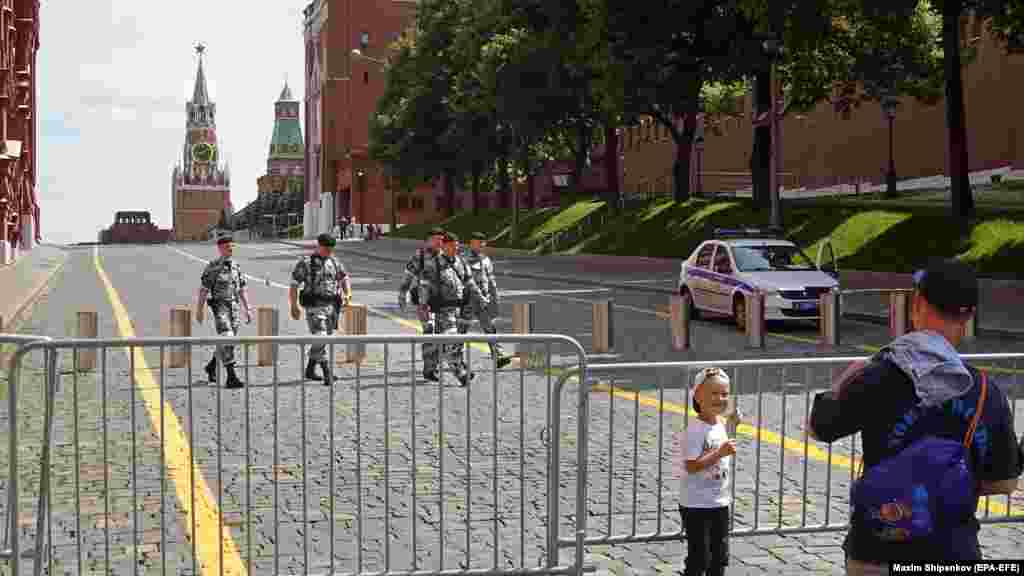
pixel 886 236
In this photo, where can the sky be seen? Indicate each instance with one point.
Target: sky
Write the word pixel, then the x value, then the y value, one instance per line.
pixel 114 77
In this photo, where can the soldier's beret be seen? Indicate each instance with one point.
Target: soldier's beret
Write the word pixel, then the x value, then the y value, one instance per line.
pixel 479 236
pixel 451 237
pixel 224 238
pixel 438 231
pixel 326 240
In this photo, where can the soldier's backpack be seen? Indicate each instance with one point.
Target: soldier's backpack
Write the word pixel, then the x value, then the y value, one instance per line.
pixel 307 297
pixel 414 294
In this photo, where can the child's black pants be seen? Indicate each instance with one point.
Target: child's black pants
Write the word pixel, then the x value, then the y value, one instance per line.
pixel 707 540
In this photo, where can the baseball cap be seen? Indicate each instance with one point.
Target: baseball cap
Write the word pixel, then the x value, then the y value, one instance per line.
pixel 706 373
pixel 224 238
pixel 949 285
pixel 326 240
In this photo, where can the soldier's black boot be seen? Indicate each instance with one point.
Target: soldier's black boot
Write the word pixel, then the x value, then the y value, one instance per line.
pixel 311 370
pixel 430 375
pixel 325 367
pixel 503 361
pixel 211 370
pixel 233 381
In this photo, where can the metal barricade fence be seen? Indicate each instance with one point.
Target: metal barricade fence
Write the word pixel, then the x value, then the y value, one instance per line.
pixel 382 473
pixel 782 483
pixel 9 346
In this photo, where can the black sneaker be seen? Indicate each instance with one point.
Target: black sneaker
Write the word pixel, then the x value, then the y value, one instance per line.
pixel 431 375
pixel 504 361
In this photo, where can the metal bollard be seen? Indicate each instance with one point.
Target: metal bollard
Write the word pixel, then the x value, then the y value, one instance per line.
pixel 267 324
pixel 522 323
pixel 680 321
pixel 899 313
pixel 755 318
pixel 88 327
pixel 180 326
pixel 828 310
pixel 355 325
pixel 603 327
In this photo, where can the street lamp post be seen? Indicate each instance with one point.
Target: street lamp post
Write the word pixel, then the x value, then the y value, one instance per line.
pixel 889 106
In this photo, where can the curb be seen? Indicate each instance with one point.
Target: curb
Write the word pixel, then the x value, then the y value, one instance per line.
pixel 526 275
pixel 29 300
pixel 884 321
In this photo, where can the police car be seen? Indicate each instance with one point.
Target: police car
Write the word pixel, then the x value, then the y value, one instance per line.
pixel 721 273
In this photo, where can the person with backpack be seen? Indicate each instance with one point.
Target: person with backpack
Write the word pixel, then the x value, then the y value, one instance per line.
pixel 936 432
pixel 411 281
pixel 445 284
pixel 326 288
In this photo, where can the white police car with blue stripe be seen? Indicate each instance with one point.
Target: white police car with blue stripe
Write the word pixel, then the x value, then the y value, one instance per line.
pixel 722 273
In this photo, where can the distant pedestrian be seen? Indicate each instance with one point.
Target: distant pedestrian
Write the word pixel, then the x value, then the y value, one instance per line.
pixel 222 288
pixel 444 285
pixel 326 288
pixel 482 268
pixel 706 455
pixel 918 396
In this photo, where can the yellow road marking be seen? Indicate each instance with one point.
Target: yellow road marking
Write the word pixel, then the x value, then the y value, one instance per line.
pixel 775 439
pixel 207 535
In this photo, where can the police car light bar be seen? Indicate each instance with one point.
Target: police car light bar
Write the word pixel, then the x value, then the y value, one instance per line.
pixel 770 232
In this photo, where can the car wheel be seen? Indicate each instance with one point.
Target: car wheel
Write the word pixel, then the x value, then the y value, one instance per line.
pixel 739 312
pixel 694 312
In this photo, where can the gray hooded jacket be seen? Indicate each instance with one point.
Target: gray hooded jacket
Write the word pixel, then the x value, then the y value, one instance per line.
pixel 931 362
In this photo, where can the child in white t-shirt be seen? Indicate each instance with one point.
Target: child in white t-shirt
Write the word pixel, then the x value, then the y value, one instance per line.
pixel 706 456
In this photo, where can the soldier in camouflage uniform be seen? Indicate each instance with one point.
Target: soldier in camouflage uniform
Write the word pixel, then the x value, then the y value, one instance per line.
pixel 444 285
pixel 483 274
pixel 223 289
pixel 411 281
pixel 326 289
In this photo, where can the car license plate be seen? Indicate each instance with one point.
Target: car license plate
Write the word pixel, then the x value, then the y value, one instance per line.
pixel 805 306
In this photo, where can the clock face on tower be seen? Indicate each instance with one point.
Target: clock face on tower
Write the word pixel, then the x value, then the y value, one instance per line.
pixel 203 152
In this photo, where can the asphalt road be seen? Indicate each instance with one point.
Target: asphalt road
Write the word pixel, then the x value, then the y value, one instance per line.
pixel 289 477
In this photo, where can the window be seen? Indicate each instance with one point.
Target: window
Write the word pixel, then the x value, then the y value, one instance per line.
pixel 704 256
pixel 778 258
pixel 417 203
pixel 722 264
pixel 366 77
pixel 402 203
pixel 364 39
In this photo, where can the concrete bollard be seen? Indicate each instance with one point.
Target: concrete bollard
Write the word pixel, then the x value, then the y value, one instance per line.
pixel 680 321
pixel 268 323
pixel 830 314
pixel 899 313
pixel 522 323
pixel 603 327
pixel 87 327
pixel 755 319
pixel 355 325
pixel 970 328
pixel 180 327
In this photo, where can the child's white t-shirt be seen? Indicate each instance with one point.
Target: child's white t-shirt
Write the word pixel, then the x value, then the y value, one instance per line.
pixel 708 488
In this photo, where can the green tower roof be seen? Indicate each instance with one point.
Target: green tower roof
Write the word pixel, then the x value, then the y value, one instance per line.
pixel 287 142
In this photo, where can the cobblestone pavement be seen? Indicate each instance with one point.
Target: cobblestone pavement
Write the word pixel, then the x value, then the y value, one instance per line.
pixel 366 446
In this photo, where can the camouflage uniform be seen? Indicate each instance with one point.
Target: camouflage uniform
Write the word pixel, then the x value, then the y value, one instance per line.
pixel 444 283
pixel 411 281
pixel 321 277
pixel 224 281
pixel 482 268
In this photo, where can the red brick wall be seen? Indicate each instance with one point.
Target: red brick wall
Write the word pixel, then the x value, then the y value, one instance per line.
pixel 824 148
